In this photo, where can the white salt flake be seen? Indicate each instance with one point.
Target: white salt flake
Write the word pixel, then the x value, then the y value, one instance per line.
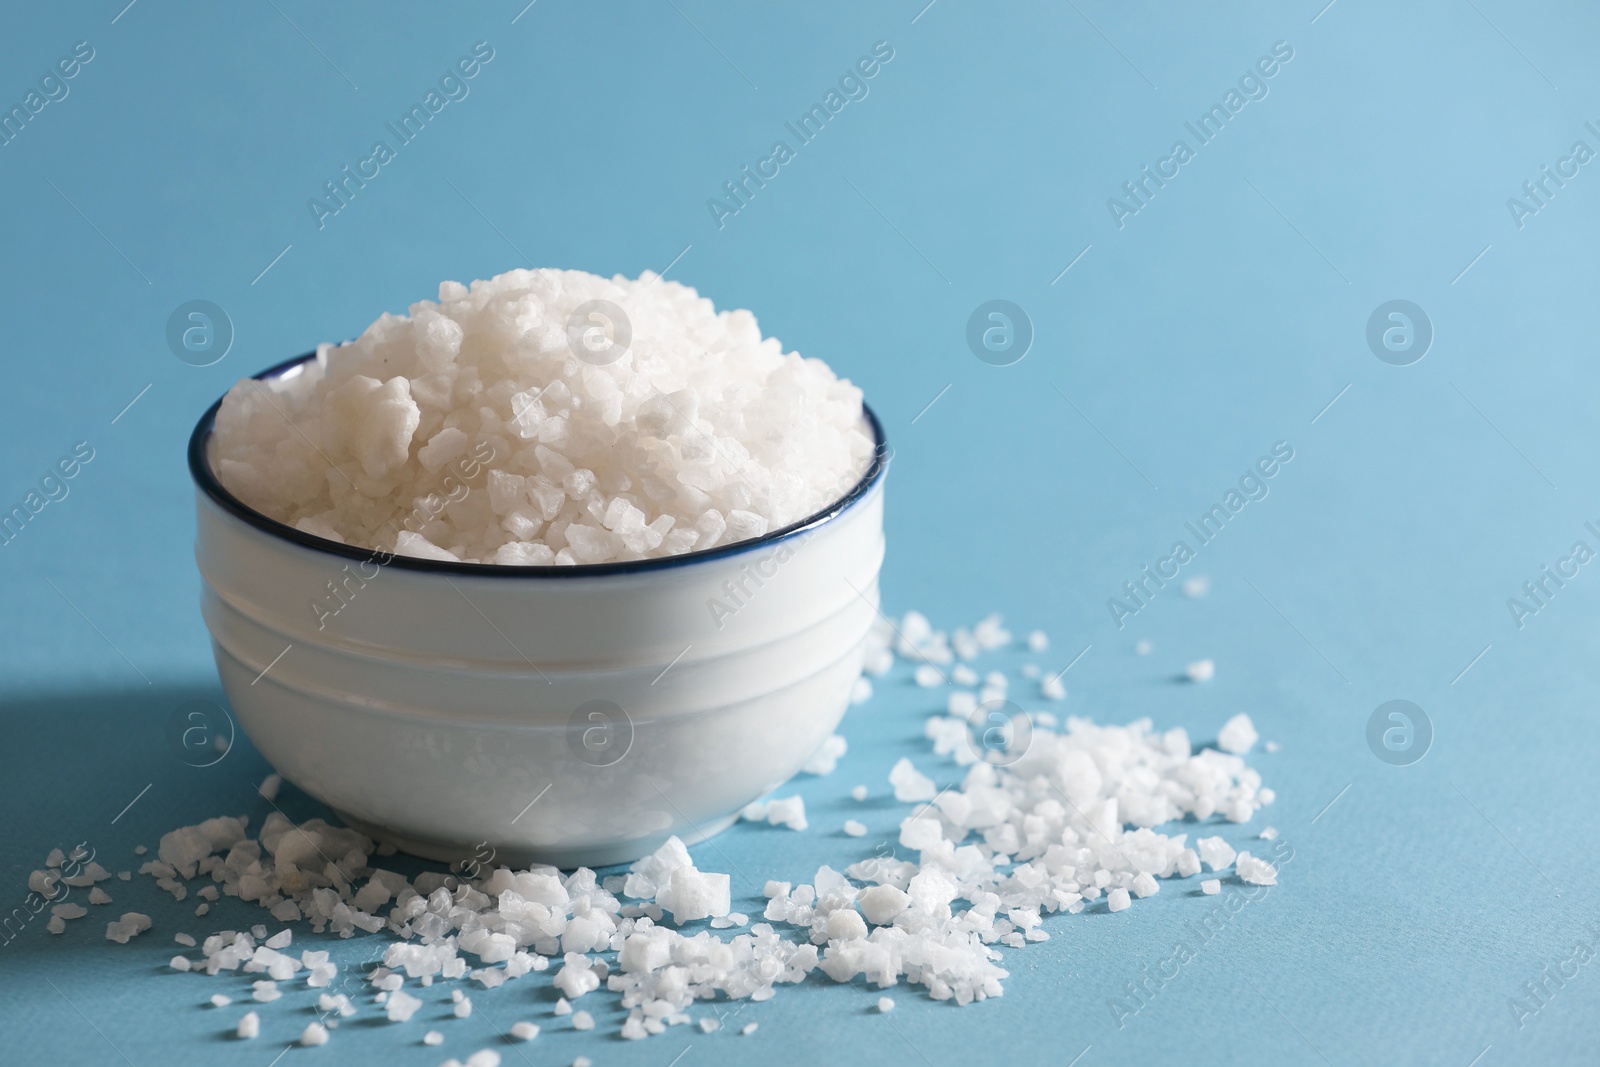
pixel 1211 886
pixel 1202 670
pixel 1238 735
pixel 1254 870
pixel 249 1025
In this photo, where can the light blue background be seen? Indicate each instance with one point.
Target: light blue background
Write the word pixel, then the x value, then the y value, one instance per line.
pixel 1223 317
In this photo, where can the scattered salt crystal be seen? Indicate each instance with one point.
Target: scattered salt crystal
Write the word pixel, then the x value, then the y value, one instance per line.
pixel 463 1008
pixel 1269 834
pixel 1038 641
pixel 1196 587
pixel 1117 899
pixel 99 896
pixel 484 1057
pixel 1142 648
pixel 1211 886
pixel 885 1005
pixel 1254 870
pixel 861 691
pixel 562 1007
pixel 927 676
pixel 131 925
pixel 1201 670
pixel 269 786
pixel 582 1020
pixel 140 850
pixel 266 991
pixel 883 904
pixel 910 785
pixel 69 911
pixel 826 758
pixel 854 828
pixel 434 1037
pixel 748 1029
pixel 961 703
pixel 249 1025
pixel 179 963
pixel 859 793
pixel 400 1006
pixel 789 811
pixel 1052 689
pixel 1272 746
pixel 1238 735
pixel 1216 852
pixel 313 1035
pixel 56 925
pixel 125 875
pixel 523 1030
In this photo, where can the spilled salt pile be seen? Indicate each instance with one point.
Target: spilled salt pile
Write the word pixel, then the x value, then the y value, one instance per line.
pixel 546 417
pixel 994 844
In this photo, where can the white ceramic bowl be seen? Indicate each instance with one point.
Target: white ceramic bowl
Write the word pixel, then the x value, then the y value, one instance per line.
pixel 566 715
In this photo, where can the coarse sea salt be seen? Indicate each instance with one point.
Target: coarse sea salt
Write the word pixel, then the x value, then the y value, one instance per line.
pixel 988 853
pixel 546 417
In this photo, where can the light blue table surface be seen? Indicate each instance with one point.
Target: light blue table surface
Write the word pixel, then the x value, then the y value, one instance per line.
pixel 1228 313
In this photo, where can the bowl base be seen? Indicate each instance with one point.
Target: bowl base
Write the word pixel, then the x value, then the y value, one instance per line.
pixel 565 857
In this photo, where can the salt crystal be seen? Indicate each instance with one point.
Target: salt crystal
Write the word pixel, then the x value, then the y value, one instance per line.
pixel 1255 871
pixel 1238 735
pixel 249 1025
pixel 789 811
pixel 484 1057
pixel 1216 852
pixel 885 1005
pixel 854 828
pixel 826 758
pixel 1052 689
pixel 859 793
pixel 1211 886
pixel 313 1035
pixel 1142 648
pixel 562 1007
pixel 220 1001
pixel 434 1037
pixel 99 896
pixel 400 1006
pixel 1200 670
pixel 748 1029
pixel 269 787
pixel 582 1020
pixel 1038 641
pixel 927 676
pixel 910 785
pixel 1197 587
pixel 1269 834
pixel 1117 899
pixel 524 1031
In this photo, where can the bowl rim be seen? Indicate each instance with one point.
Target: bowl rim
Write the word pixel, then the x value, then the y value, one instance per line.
pixel 207 482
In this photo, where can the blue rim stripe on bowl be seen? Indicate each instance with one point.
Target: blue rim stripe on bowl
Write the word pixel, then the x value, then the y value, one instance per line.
pixel 200 470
